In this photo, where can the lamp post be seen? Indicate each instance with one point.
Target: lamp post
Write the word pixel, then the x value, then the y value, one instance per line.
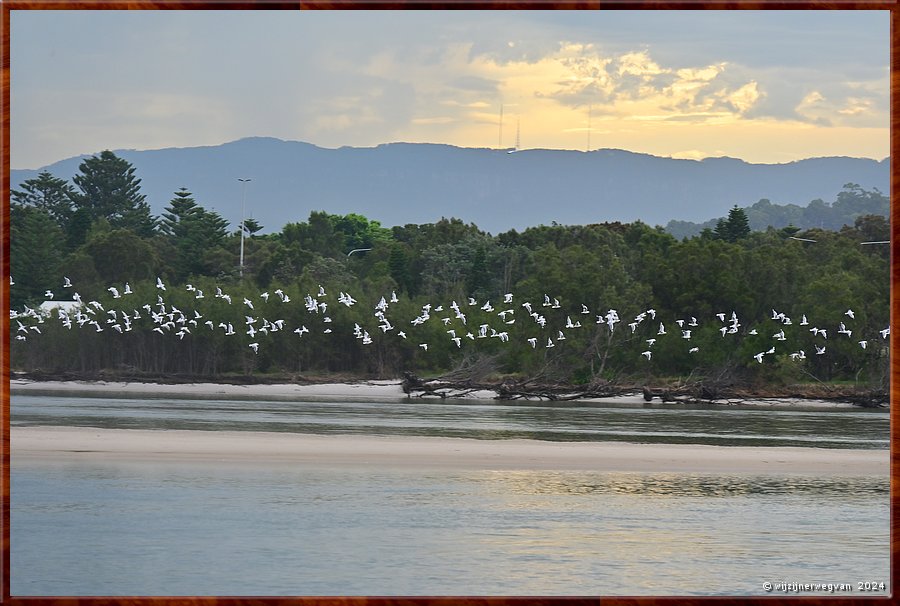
pixel 243 229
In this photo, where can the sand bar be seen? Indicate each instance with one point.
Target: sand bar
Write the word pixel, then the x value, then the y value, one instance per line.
pixel 388 390
pixel 78 443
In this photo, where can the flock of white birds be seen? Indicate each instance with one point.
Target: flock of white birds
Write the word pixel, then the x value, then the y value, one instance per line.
pixel 167 319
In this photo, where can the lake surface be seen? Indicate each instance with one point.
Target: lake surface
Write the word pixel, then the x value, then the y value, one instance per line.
pixel 102 527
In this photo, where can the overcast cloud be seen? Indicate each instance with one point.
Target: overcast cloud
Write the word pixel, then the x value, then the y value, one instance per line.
pixel 766 86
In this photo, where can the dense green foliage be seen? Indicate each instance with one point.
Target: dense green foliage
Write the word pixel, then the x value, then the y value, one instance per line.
pixel 607 301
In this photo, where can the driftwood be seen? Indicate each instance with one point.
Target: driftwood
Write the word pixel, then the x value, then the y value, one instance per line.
pixel 666 395
pixel 414 386
pixel 704 394
pixel 558 393
pixel 699 392
pixel 669 395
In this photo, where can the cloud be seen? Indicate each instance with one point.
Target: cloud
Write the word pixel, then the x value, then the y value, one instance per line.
pixel 821 97
pixel 701 74
pixel 434 120
pixel 368 77
pixel 840 107
pixel 638 64
pixel 856 107
pixel 632 85
pixel 695 154
pixel 89 121
pixel 366 109
pixel 744 98
pixel 474 84
pixel 636 85
pixel 815 108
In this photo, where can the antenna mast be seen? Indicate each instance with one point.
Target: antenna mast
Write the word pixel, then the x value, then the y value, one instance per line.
pixel 590 110
pixel 500 141
pixel 517 134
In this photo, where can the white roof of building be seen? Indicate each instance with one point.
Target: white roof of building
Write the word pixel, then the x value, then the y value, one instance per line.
pixel 67 306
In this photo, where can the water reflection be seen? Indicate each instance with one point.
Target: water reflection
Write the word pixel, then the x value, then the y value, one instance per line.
pixel 131 528
pixel 558 483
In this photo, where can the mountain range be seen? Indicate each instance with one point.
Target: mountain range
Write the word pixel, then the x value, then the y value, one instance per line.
pixel 497 189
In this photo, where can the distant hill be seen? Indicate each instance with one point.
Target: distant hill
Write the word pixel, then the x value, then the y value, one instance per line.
pixel 403 183
pixel 850 203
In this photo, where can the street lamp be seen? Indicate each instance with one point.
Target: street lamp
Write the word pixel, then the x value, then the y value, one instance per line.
pixel 243 229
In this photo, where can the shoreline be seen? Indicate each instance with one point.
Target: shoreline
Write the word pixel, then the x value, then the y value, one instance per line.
pixel 73 444
pixel 389 390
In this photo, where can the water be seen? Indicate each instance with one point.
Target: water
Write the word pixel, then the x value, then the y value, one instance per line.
pixel 101 527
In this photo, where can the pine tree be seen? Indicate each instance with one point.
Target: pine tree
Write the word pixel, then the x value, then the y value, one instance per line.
pixel 193 231
pixel 182 208
pixel 110 190
pixel 738 223
pixel 36 253
pixel 251 226
pixel 735 227
pixel 721 230
pixel 47 193
pixel 789 231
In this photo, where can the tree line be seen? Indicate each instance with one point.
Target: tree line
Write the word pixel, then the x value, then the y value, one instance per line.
pixel 850 204
pixel 98 234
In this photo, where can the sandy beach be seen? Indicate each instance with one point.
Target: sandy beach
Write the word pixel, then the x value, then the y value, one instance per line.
pixel 76 443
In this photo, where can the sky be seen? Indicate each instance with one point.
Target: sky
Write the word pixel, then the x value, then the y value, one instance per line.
pixel 763 86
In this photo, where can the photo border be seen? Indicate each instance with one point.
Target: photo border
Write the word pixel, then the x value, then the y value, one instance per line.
pixel 10 5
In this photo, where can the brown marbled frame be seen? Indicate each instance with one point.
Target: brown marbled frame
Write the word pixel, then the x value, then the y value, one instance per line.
pixel 8 5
